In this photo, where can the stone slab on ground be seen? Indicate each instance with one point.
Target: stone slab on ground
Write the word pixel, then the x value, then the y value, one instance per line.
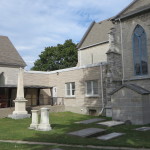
pixel 111 123
pixel 143 129
pixel 89 132
pixel 90 121
pixel 57 149
pixel 110 136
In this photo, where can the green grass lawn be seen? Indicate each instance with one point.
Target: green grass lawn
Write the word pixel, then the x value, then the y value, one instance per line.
pixel 62 123
pixel 10 146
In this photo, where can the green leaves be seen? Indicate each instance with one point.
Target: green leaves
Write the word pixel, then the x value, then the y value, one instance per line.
pixel 57 57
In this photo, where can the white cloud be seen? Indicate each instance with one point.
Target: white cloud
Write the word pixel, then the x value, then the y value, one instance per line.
pixel 32 25
pixel 24 48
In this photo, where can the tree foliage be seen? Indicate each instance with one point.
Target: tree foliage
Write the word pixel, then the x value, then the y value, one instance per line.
pixel 57 57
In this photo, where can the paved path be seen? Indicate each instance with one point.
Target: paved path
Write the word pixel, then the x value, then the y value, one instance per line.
pixel 67 145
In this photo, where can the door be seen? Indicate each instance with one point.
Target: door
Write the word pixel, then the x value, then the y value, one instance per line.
pixel 54 95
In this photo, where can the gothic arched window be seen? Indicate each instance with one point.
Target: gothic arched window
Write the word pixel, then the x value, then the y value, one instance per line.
pixel 140 51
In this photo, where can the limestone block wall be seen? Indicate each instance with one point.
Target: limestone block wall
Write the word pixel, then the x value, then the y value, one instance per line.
pixel 80 102
pixel 93 54
pixel 129 105
pixel 10 75
pixel 128 27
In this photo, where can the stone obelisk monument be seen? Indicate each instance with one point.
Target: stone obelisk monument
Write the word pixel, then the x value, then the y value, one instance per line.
pixel 20 102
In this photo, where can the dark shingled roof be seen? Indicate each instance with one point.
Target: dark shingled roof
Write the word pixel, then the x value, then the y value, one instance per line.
pixel 8 54
pixel 133 87
pixel 96 33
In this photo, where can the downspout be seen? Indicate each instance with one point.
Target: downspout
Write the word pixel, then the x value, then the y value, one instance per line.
pixel 80 57
pixel 101 78
pixel 121 32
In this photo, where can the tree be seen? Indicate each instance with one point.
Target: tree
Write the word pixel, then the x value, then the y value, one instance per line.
pixel 57 57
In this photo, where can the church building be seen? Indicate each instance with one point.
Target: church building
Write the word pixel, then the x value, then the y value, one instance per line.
pixel 112 77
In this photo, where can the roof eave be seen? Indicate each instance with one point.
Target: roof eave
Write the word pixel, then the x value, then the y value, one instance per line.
pixel 13 65
pixel 146 92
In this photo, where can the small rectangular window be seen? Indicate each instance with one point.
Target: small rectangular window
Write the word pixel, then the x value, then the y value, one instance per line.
pixel 92 88
pixel 70 89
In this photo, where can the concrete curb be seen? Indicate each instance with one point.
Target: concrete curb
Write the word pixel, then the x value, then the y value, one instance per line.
pixel 67 145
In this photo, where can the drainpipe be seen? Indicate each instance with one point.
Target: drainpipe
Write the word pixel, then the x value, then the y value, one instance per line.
pixel 101 78
pixel 122 51
pixel 80 58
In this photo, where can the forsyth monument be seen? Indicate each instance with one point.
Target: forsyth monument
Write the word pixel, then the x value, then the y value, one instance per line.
pixel 20 102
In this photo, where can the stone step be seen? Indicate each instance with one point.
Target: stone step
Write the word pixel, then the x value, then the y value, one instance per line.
pixel 89 132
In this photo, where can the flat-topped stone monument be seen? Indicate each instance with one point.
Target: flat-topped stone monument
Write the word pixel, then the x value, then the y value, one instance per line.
pixel 44 121
pixel 90 121
pixel 111 123
pixel 110 136
pixel 143 129
pixel 89 132
pixel 34 123
pixel 20 102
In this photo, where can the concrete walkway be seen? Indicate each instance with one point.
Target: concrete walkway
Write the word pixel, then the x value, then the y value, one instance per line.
pixel 74 146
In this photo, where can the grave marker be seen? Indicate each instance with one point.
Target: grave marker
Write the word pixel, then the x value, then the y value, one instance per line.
pixel 111 123
pixel 110 136
pixel 90 121
pixel 89 132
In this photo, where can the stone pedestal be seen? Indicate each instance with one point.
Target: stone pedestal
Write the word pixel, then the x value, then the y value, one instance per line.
pixel 44 121
pixel 20 112
pixel 20 106
pixel 34 123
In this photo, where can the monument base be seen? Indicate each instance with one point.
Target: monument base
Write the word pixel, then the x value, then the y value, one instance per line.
pixel 20 109
pixel 19 116
pixel 44 127
pixel 33 126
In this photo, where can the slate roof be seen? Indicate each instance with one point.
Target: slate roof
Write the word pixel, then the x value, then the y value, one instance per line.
pixel 8 54
pixel 133 87
pixel 137 6
pixel 97 33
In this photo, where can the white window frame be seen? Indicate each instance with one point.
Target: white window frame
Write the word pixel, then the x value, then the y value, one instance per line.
pixel 92 92
pixel 71 89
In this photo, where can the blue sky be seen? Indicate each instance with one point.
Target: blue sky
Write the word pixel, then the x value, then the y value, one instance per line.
pixel 32 25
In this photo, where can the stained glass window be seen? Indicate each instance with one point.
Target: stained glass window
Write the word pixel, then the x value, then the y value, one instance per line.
pixel 140 51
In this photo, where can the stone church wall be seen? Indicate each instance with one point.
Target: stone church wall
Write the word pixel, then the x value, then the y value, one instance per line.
pixel 128 27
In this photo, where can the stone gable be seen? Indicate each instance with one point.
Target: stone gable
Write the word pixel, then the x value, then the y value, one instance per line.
pixel 135 6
